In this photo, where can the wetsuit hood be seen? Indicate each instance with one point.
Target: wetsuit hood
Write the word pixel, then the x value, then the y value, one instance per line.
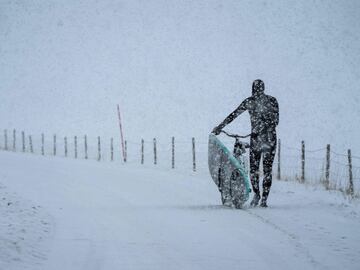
pixel 258 87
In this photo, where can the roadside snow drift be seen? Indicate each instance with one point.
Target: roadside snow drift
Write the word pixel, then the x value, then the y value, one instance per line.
pixel 25 231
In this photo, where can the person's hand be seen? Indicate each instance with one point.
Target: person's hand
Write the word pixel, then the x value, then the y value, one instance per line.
pixel 216 130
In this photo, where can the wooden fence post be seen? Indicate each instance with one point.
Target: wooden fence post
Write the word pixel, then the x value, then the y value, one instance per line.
pixel 5 139
pixel 173 152
pixel 99 149
pixel 327 169
pixel 75 146
pixel 112 149
pixel 193 154
pixel 86 147
pixel 23 140
pixel 125 159
pixel 155 156
pixel 351 183
pixel 142 151
pixel 279 161
pixel 42 144
pixel 54 151
pixel 14 140
pixel 302 161
pixel 65 146
pixel 31 144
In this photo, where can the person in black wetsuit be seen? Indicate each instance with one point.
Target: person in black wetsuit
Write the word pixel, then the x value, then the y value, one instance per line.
pixel 264 117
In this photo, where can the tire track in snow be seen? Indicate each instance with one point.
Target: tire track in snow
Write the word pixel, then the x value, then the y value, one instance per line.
pixel 93 258
pixel 292 237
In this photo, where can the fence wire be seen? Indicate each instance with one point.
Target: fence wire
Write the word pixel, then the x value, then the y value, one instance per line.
pixel 77 146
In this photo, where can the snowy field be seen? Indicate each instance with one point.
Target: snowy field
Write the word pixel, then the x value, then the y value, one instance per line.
pixel 75 214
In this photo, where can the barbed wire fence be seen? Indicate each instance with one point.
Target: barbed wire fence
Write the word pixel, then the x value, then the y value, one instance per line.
pixel 333 170
pixel 322 166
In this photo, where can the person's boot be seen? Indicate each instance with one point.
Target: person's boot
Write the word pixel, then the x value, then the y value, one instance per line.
pixel 263 202
pixel 255 200
pixel 265 194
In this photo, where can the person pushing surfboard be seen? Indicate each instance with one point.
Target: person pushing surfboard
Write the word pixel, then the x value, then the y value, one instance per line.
pixel 264 117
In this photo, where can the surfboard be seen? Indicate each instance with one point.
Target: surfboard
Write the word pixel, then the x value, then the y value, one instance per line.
pixel 228 173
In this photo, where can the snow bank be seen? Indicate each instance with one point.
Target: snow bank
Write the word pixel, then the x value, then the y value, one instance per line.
pixel 25 231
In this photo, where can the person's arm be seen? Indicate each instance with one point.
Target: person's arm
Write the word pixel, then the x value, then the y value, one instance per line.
pixel 276 112
pixel 239 110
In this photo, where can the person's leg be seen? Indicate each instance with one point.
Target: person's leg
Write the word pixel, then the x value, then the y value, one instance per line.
pixel 255 157
pixel 268 159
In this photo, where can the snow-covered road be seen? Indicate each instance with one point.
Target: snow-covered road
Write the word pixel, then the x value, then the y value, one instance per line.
pixel 111 216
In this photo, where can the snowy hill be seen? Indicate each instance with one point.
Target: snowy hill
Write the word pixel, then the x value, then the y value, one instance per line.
pixel 179 67
pixel 67 214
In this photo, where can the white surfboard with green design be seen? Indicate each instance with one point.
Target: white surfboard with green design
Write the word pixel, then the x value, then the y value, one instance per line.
pixel 228 173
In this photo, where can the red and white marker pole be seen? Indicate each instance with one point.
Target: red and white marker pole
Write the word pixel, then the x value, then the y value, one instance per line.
pixel 121 133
